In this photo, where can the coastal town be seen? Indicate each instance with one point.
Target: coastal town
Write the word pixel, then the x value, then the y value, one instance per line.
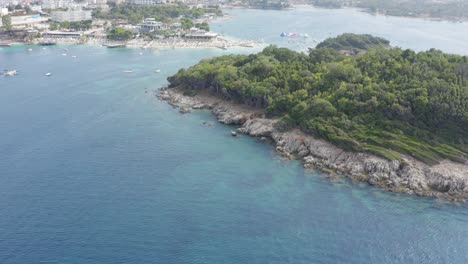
pixel 133 23
pixel 163 23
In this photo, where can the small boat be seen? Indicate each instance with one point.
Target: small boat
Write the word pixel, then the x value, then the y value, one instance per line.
pixel 141 53
pixel 10 72
pixel 47 43
pixel 128 71
pixel 249 45
pixel 222 47
pixel 29 49
pixel 73 56
pixel 111 46
pixel 294 35
pixel 64 54
pixel 48 74
pixel 157 71
pixel 5 45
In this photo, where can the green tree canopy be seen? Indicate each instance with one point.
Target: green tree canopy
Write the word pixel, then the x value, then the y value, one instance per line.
pixel 119 33
pixel 6 22
pixel 186 23
pixel 203 26
pixel 350 41
pixel 387 101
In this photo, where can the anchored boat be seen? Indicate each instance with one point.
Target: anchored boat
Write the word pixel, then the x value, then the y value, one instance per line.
pixel 10 72
pixel 112 46
pixel 47 43
pixel 294 35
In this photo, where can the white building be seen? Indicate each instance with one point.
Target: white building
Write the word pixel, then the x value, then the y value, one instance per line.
pixel 144 2
pixel 71 15
pixel 96 4
pixel 200 35
pixel 151 2
pixel 150 24
pixel 54 4
pixel 4 3
pixel 36 8
pixel 3 11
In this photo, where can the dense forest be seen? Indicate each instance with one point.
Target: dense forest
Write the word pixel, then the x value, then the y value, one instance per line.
pixel 354 42
pixel 387 101
pixel 164 13
pixel 448 9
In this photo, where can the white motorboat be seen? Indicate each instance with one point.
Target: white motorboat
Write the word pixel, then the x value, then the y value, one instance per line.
pixel 10 72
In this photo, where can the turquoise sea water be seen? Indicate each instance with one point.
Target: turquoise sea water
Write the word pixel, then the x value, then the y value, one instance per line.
pixel 94 169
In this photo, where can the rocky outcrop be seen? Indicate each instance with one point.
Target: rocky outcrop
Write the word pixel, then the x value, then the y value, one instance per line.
pixel 447 179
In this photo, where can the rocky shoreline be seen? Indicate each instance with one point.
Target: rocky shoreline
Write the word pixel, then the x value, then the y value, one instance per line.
pixel 447 180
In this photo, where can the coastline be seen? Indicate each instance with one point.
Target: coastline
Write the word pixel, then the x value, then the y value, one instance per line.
pixel 368 11
pixel 447 180
pixel 221 43
pixel 362 10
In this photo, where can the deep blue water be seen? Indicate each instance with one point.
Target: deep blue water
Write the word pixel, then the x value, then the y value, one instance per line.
pixel 94 169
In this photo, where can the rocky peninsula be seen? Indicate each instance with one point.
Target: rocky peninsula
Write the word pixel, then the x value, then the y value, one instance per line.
pixel 447 179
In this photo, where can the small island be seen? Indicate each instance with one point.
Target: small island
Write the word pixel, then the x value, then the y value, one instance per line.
pixel 354 105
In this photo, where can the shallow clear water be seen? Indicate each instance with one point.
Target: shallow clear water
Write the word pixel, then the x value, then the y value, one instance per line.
pixel 93 169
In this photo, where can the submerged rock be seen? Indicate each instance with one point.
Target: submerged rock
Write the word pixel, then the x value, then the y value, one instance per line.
pixel 184 110
pixel 208 123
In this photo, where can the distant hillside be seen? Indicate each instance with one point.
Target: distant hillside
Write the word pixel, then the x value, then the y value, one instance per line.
pixel 349 41
pixel 262 4
pixel 446 9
